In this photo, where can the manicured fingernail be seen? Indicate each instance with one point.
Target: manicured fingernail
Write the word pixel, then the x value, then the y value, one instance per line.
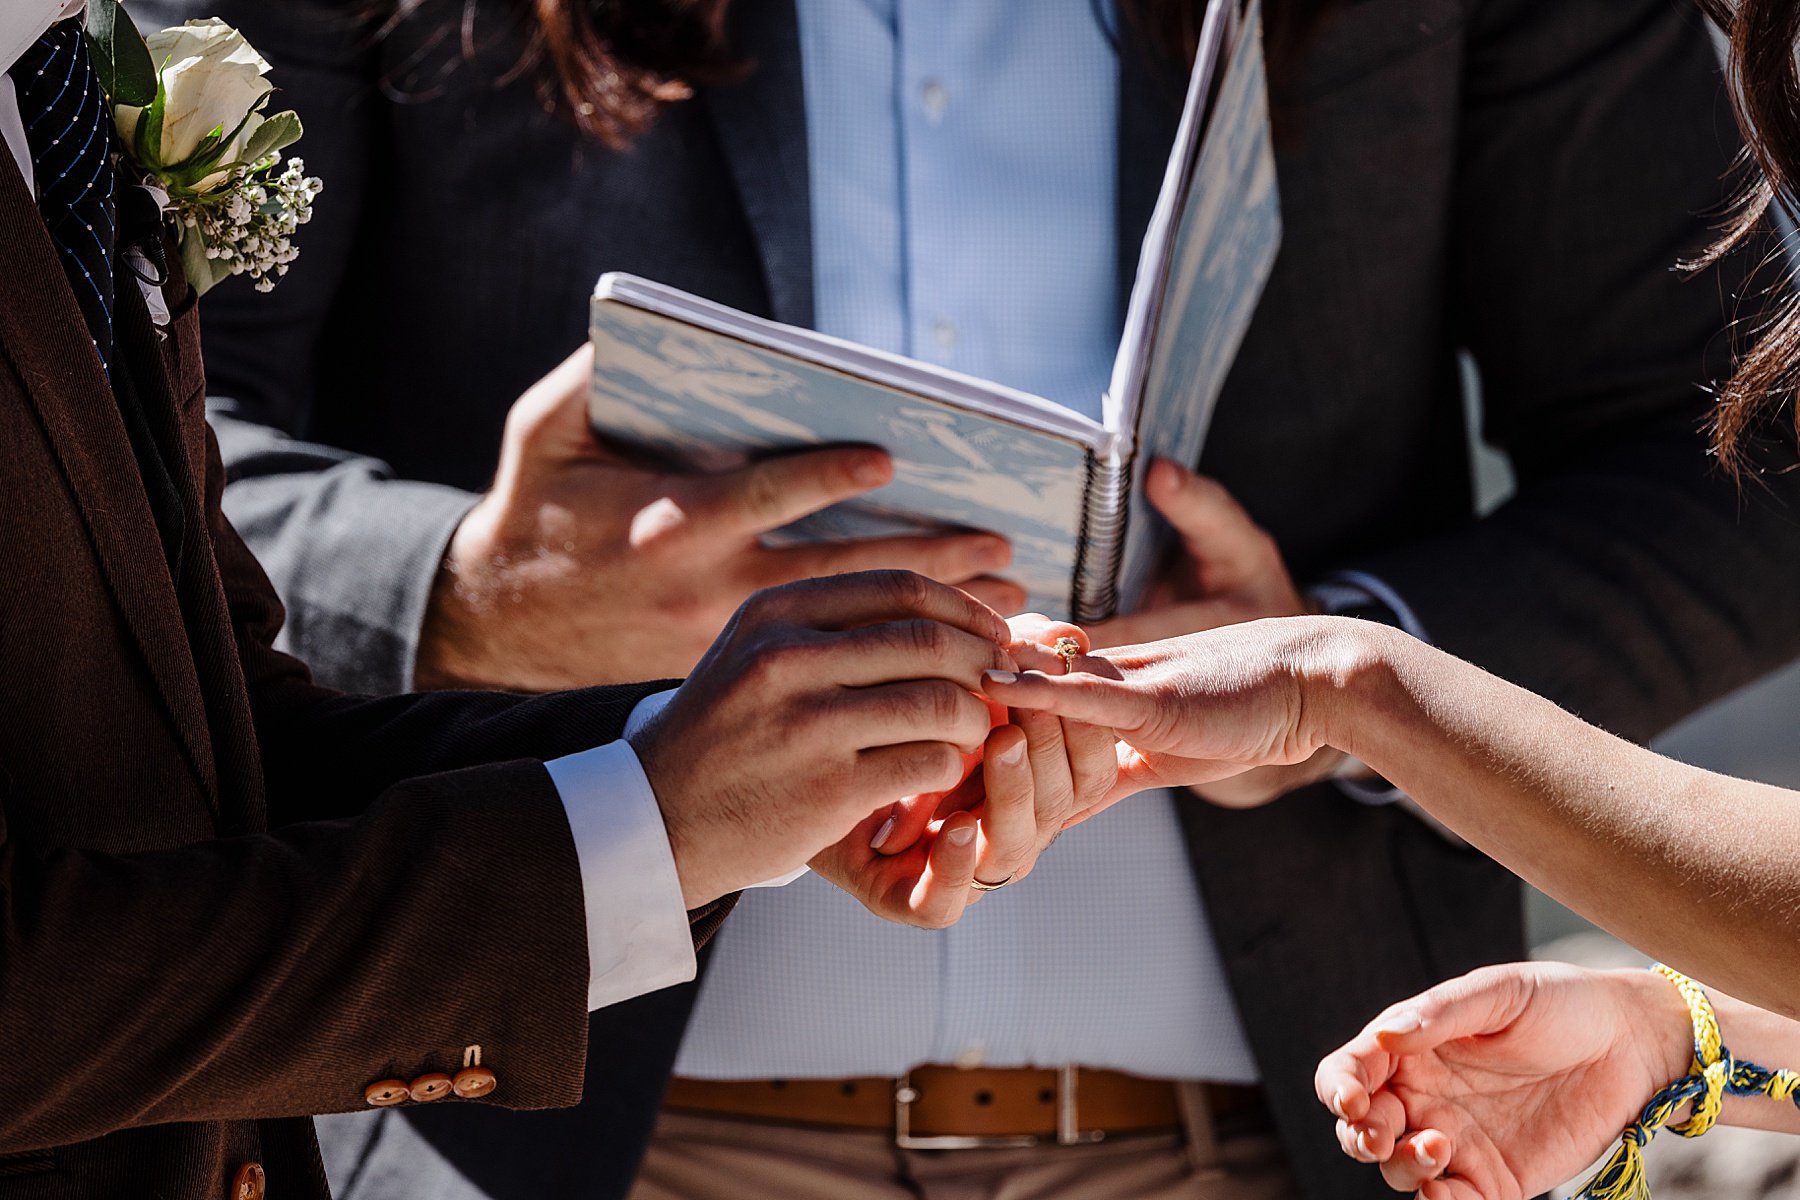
pixel 1425 1160
pixel 882 834
pixel 1001 676
pixel 869 470
pixel 1400 1023
pixel 962 835
pixel 1013 755
pixel 1337 1103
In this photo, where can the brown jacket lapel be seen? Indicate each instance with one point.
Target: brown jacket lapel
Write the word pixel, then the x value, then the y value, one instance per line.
pixel 45 337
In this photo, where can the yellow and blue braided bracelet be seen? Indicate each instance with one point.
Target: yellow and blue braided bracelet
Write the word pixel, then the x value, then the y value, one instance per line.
pixel 1715 1075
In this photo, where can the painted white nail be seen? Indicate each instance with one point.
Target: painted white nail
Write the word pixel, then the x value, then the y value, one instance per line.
pixel 1003 676
pixel 882 834
pixel 962 835
pixel 1399 1023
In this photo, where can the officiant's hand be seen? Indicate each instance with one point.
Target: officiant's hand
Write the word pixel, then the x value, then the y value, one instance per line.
pixel 579 568
pixel 918 862
pixel 1228 570
pixel 1507 1081
pixel 822 703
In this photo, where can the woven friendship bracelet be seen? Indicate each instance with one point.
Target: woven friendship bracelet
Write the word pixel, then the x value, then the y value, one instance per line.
pixel 1714 1075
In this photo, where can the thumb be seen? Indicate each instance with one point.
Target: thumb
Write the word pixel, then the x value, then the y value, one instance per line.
pixel 550 421
pixel 1214 528
pixel 1480 1003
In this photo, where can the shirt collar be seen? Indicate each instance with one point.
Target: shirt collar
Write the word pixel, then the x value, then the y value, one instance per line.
pixel 23 22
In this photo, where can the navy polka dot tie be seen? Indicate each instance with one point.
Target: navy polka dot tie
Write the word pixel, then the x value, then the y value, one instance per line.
pixel 70 133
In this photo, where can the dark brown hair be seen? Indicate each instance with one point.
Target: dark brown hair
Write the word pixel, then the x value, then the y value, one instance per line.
pixel 611 64
pixel 1765 89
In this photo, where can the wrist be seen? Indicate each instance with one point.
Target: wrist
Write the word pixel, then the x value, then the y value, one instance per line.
pixel 684 846
pixel 454 633
pixel 1655 1023
pixel 1349 680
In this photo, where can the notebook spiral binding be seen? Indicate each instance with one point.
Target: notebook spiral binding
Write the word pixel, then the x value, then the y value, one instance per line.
pixel 1101 545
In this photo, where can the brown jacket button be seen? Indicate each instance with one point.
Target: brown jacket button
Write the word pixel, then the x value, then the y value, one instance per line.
pixel 248 1183
pixel 429 1087
pixel 388 1091
pixel 472 1082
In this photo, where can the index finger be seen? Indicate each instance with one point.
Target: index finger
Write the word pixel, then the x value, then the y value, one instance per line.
pixel 778 491
pixel 1348 1077
pixel 850 601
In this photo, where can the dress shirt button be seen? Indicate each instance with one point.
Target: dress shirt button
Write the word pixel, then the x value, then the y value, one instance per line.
pixel 944 334
pixel 425 1088
pixel 934 98
pixel 473 1082
pixel 249 1183
pixel 386 1092
pixel 972 1057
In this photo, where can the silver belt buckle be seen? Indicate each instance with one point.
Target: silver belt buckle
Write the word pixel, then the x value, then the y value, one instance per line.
pixel 1068 1122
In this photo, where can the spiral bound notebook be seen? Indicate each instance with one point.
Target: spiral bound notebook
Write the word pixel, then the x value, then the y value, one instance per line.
pixel 704 385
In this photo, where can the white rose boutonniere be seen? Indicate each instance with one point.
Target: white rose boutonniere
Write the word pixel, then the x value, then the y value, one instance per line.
pixel 190 104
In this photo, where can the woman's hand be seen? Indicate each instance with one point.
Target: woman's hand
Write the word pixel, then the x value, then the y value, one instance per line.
pixel 1506 1082
pixel 1209 706
pixel 918 861
pixel 580 568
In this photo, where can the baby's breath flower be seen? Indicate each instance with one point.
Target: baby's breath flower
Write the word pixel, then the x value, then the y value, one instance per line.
pixel 248 222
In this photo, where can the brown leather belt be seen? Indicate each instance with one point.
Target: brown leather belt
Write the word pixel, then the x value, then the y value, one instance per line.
pixel 956 1108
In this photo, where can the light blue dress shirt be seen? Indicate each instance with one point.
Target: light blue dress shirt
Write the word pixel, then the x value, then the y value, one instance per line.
pixel 963 160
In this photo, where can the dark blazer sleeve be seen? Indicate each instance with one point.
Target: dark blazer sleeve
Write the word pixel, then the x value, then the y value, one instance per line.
pixel 414 893
pixel 356 586
pixel 1628 578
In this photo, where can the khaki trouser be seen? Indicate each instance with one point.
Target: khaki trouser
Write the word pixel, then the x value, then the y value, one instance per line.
pixel 696 1157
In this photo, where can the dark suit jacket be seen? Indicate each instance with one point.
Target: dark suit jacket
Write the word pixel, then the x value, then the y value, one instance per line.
pixel 1508 179
pixel 230 898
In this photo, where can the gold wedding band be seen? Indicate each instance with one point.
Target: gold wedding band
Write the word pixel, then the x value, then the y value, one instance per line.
pixel 1068 649
pixel 990 887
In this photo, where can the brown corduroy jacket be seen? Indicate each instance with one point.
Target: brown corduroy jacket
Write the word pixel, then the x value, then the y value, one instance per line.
pixel 230 898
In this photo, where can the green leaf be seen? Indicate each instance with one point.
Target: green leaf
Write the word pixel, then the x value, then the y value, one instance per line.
pixel 149 133
pixel 121 57
pixel 202 272
pixel 277 133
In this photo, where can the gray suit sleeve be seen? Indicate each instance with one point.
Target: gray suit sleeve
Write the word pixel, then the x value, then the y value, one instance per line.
pixel 351 549
pixel 1627 579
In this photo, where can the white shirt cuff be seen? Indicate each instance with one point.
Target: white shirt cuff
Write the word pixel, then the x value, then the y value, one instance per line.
pixel 638 935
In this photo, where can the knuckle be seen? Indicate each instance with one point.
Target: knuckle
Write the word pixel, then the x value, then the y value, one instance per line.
pixel 926 639
pixel 910 592
pixel 760 493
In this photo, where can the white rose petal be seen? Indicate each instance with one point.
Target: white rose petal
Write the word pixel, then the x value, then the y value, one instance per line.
pixel 212 78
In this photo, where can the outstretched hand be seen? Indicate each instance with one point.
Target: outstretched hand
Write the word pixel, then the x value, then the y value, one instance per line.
pixel 1197 709
pixel 1506 1082
pixel 1228 570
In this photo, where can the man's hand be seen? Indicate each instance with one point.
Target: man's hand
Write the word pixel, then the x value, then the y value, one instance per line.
pixel 917 862
pixel 1507 1081
pixel 578 568
pixel 821 703
pixel 1229 570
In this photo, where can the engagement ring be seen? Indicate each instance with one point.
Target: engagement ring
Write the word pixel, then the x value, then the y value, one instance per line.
pixel 1068 649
